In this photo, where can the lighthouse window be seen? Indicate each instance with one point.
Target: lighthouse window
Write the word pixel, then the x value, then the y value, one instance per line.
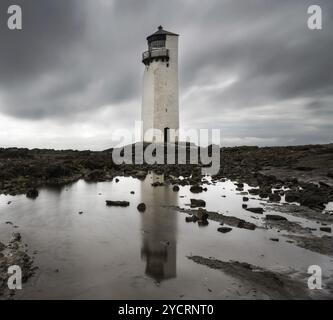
pixel 157 44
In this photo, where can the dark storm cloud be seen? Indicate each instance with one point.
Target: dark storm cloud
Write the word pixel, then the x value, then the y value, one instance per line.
pixel 76 56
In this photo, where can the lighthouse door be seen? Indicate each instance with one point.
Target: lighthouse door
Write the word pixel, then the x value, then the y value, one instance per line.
pixel 166 135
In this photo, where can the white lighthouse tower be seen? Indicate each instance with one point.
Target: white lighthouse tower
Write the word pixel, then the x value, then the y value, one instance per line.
pixel 160 102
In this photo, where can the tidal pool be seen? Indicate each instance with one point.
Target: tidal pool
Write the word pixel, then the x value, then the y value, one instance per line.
pixel 119 253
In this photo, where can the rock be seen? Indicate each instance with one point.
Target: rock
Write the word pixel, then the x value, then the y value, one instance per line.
pixel 224 229
pixel 196 189
pixel 242 224
pixel 263 194
pixel 117 180
pixel 192 218
pixel 175 188
pixel 132 192
pixel 244 205
pixel 141 207
pixel 275 217
pixel 202 214
pixel 330 174
pixel 16 237
pixel 111 203
pixel 81 212
pixel 256 210
pixel 254 192
pixel 2 246
pixel 245 199
pixel 291 196
pixel 274 197
pixel 197 203
pixel 312 200
pixel 326 229
pixel 32 193
pixel 274 239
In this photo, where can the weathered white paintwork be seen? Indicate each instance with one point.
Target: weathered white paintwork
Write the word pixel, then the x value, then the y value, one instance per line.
pixel 160 102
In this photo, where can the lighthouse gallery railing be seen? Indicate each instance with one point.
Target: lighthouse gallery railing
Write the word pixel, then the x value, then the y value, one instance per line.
pixel 155 53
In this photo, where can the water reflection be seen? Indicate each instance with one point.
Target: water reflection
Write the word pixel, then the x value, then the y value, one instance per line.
pixel 159 237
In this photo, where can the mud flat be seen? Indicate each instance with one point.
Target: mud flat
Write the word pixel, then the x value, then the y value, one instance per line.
pixel 264 283
pixel 323 245
pixel 11 254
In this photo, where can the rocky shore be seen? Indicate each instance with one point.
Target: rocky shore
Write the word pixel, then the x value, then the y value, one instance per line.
pixel 305 171
pixel 301 175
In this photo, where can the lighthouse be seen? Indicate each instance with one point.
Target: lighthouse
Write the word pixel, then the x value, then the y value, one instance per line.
pixel 160 101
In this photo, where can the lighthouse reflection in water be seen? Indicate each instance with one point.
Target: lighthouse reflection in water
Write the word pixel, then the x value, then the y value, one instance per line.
pixel 159 230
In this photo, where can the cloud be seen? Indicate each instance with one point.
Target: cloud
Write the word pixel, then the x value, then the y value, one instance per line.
pixel 259 72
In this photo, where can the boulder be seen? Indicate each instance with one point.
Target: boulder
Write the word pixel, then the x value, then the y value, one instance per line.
pixel 312 200
pixel 291 196
pixel 224 229
pixel 242 224
pixel 32 193
pixel 141 207
pixel 197 203
pixel 196 189
pixel 111 203
pixel 202 214
pixel 175 188
pixel 274 197
pixel 254 192
pixel 192 218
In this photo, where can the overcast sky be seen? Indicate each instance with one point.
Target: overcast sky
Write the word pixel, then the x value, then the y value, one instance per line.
pixel 73 75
